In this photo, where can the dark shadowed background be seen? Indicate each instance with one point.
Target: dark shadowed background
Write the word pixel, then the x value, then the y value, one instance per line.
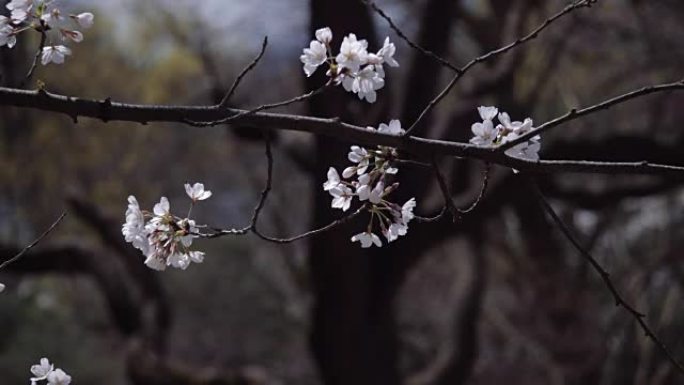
pixel 500 297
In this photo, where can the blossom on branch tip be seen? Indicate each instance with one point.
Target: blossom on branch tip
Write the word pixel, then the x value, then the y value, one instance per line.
pixel 197 192
pixel 324 35
pixel 164 238
pixel 354 67
pixel 486 134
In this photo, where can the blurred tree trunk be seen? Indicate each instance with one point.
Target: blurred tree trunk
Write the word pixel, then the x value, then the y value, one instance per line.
pixel 354 339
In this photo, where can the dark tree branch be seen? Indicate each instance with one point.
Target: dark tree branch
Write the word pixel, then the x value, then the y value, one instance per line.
pixel 408 41
pixel 34 243
pixel 236 83
pixel 107 110
pixel 497 52
pixel 605 277
pixel 34 64
pixel 574 113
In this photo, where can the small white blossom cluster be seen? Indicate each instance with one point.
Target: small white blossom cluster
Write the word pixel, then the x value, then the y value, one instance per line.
pixel 45 17
pixel 164 238
pixel 486 134
pixel 45 371
pixel 367 181
pixel 358 70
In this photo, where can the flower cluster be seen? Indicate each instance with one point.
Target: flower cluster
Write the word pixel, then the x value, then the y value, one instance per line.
pixel 45 371
pixel 367 181
pixel 164 238
pixel 44 17
pixel 358 70
pixel 486 134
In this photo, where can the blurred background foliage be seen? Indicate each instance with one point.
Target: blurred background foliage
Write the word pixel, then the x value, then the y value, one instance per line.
pixel 500 298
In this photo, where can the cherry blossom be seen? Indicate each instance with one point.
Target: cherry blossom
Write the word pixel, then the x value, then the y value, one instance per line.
pixel 46 18
pixel 354 67
pixel 164 238
pixel 333 180
pixel 58 377
pixel 313 57
pixel 84 20
pixel 54 54
pixel 324 35
pixel 197 192
pixel 367 239
pixel 486 134
pixel 45 371
pixel 372 170
pixel 342 197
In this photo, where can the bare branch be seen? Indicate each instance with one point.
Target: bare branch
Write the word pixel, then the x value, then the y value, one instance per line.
pixel 267 187
pixel 236 83
pixel 449 202
pixel 497 52
pixel 41 45
pixel 34 243
pixel 605 277
pixel 107 110
pixel 262 107
pixel 574 113
pixel 408 41
pixel 311 233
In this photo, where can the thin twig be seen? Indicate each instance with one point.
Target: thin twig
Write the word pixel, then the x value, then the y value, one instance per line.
pixel 483 189
pixel 494 53
pixel 605 277
pixel 32 69
pixel 307 234
pixel 408 41
pixel 449 204
pixel 267 186
pixel 236 83
pixel 435 218
pixel 34 243
pixel 574 113
pixel 262 107
pixel 444 187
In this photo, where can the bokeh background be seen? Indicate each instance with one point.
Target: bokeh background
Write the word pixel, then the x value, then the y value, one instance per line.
pixel 499 297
